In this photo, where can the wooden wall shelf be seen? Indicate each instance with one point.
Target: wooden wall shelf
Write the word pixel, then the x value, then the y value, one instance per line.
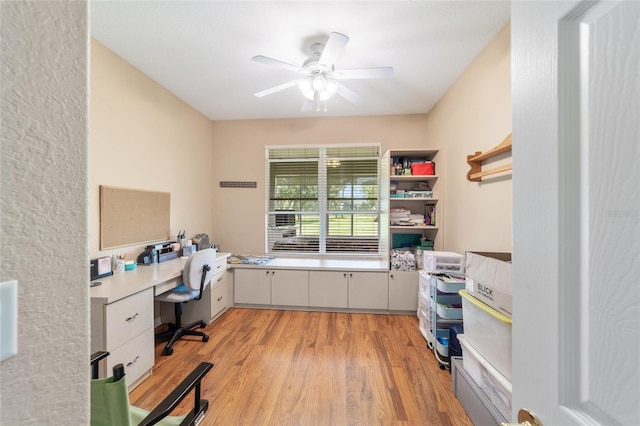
pixel 475 161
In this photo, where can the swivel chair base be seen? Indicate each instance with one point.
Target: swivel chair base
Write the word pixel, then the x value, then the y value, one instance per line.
pixel 177 330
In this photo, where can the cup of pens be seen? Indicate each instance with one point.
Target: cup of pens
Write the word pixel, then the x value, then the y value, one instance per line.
pixel 118 264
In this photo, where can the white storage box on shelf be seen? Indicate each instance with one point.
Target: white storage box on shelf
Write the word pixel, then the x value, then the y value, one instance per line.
pixel 442 261
pixel 489 279
pixel 497 387
pixel 488 331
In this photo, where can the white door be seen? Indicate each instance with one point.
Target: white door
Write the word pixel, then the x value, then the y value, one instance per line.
pixel 576 195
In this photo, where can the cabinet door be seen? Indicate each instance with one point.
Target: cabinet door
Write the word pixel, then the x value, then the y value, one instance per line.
pixel 289 288
pixel 368 290
pixel 328 289
pixel 403 291
pixel 219 298
pixel 252 286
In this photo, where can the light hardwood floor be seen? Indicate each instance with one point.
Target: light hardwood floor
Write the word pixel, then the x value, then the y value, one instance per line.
pixel 310 368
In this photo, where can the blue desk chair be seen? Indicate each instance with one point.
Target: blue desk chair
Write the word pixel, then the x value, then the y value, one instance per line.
pixel 110 399
pixel 196 277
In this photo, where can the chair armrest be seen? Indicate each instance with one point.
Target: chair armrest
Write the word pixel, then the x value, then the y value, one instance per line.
pixel 95 358
pixel 178 394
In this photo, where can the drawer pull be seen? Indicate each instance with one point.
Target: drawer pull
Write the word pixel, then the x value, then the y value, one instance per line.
pixel 219 279
pixel 129 319
pixel 219 298
pixel 129 364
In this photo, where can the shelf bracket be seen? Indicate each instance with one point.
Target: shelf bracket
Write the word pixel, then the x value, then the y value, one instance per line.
pixel 475 160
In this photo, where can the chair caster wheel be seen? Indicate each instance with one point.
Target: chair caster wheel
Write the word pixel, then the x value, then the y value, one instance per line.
pixel 442 366
pixel 205 338
pixel 202 325
pixel 168 351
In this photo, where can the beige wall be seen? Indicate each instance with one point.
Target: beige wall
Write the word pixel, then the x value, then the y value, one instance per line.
pixel 475 115
pixel 144 137
pixel 139 131
pixel 43 218
pixel 239 155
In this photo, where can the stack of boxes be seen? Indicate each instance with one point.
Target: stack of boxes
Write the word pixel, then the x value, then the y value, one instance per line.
pixel 486 342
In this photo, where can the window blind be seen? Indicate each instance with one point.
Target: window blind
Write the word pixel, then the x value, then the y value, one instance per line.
pixel 323 199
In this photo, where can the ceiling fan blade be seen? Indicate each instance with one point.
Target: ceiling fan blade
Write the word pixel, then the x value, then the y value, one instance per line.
pixel 332 49
pixel 360 73
pixel 276 89
pixel 348 94
pixel 270 61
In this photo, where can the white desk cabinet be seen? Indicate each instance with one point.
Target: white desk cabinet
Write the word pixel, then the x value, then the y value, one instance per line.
pixel 252 286
pixel 403 291
pixel 125 329
pixel 368 290
pixel 349 289
pixel 289 288
pixel 328 289
pixel 271 287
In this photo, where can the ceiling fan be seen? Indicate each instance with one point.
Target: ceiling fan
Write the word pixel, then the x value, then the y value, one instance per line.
pixel 319 79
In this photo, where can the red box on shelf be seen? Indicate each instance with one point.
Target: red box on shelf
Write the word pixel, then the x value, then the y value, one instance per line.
pixel 423 169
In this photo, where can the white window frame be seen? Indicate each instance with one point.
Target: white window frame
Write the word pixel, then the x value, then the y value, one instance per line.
pixel 297 153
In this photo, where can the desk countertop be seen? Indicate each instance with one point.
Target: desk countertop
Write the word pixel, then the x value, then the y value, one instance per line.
pixel 124 284
pixel 356 265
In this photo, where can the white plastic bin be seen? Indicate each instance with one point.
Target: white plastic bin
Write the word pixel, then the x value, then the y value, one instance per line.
pixel 497 387
pixel 443 261
pixel 488 331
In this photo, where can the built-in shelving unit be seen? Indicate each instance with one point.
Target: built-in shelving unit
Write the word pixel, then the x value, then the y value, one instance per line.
pixel 403 191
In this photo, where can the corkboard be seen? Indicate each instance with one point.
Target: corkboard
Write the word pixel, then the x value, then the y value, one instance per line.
pixel 132 216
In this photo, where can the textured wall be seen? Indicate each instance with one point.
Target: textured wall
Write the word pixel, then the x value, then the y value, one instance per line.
pixel 43 241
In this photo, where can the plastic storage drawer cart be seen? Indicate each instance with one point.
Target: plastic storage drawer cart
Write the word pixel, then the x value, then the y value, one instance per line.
pixel 443 309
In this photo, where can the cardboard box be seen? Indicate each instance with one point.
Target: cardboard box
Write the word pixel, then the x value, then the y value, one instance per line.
pixel 489 279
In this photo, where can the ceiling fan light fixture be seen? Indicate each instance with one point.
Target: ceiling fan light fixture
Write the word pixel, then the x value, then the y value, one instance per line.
pixel 325 86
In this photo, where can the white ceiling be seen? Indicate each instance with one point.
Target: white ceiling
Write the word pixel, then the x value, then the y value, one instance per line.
pixel 201 50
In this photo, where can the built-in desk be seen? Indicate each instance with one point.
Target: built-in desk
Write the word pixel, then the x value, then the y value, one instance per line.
pixel 122 313
pixel 354 285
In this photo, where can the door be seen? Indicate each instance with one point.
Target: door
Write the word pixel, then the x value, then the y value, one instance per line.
pixel 328 289
pixel 576 180
pixel 252 286
pixel 368 290
pixel 289 288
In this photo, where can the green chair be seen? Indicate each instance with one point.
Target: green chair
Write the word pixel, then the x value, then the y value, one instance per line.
pixel 110 399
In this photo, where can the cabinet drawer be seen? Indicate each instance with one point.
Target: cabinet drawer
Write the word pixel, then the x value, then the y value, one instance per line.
pixel 137 356
pixel 218 299
pixel 218 279
pixel 220 266
pixel 127 318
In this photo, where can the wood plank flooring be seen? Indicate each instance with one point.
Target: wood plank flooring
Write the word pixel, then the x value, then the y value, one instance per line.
pixel 310 368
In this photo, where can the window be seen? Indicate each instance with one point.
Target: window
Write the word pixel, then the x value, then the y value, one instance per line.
pixel 323 199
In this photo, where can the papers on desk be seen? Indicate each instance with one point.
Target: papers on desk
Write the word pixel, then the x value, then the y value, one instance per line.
pixel 249 260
